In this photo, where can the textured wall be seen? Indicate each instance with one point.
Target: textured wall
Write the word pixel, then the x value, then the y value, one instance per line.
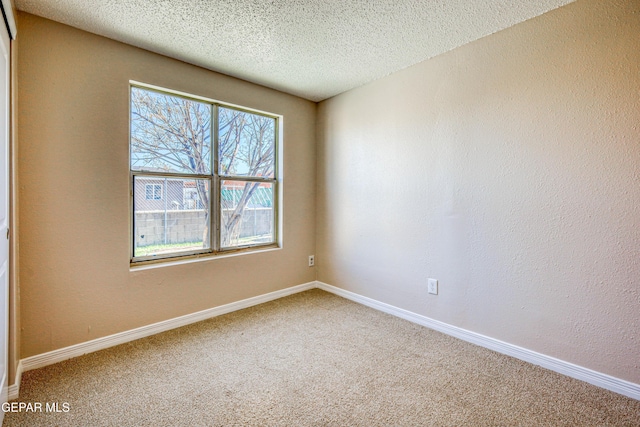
pixel 508 169
pixel 74 192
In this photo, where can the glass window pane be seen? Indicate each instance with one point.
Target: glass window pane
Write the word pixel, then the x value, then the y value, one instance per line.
pixel 169 133
pixel 247 213
pixel 153 191
pixel 247 143
pixel 178 222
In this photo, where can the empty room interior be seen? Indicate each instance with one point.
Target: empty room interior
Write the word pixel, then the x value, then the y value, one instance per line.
pixel 429 215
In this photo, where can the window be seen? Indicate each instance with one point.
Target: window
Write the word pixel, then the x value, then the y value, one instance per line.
pixel 153 191
pixel 203 175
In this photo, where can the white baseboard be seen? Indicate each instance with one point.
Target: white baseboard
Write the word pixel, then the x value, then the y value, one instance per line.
pixel 14 389
pixel 55 356
pixel 608 382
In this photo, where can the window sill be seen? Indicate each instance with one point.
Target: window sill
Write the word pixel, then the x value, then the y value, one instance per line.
pixel 189 259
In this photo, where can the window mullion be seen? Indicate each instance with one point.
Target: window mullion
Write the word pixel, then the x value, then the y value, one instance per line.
pixel 214 209
pixel 170 175
pixel 246 178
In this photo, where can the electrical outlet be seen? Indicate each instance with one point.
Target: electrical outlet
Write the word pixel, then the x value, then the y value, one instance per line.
pixel 312 260
pixel 432 286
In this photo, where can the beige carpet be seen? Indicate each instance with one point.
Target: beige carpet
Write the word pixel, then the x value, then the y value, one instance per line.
pixel 311 359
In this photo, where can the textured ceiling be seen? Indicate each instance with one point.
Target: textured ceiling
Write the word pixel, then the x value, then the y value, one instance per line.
pixel 313 49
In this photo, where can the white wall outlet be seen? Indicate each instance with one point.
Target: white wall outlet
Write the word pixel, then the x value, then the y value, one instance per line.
pixel 432 286
pixel 312 260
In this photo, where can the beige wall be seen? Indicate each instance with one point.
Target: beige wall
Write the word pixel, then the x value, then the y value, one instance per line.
pixel 74 191
pixel 508 169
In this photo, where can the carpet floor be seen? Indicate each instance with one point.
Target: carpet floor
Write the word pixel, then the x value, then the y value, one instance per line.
pixel 310 359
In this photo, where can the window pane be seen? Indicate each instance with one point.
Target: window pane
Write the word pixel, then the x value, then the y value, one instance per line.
pixel 247 213
pixel 169 133
pixel 247 143
pixel 153 191
pixel 178 222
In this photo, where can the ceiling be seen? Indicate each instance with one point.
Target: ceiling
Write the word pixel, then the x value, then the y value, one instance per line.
pixel 314 49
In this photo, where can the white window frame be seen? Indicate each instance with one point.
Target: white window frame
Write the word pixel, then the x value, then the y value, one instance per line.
pixel 215 181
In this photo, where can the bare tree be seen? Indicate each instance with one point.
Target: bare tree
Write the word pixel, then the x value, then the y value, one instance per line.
pixel 247 148
pixel 174 134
